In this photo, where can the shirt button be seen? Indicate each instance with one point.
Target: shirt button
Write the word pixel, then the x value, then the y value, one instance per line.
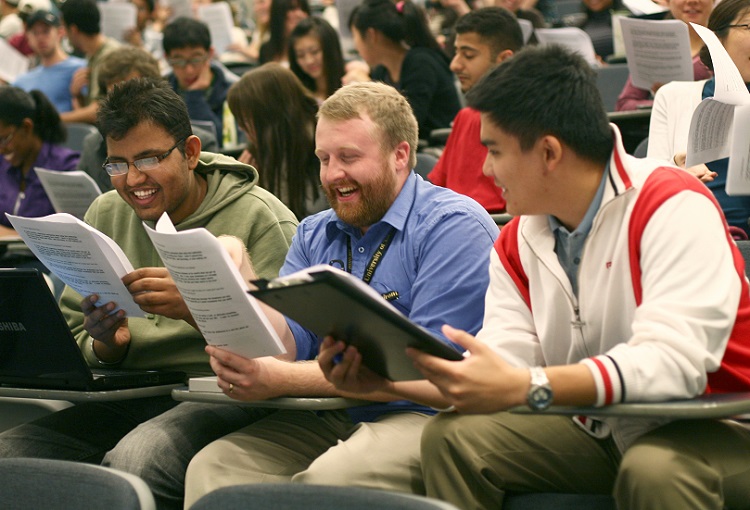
pixel 150 316
pixel 361 249
pixel 576 261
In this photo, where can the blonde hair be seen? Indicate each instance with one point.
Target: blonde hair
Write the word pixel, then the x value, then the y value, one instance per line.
pixel 386 107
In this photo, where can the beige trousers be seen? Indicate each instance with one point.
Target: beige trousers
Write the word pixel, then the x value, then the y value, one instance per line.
pixel 473 460
pixel 317 448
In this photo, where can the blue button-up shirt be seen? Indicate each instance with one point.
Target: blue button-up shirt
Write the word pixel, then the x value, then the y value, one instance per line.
pixel 569 245
pixel 437 261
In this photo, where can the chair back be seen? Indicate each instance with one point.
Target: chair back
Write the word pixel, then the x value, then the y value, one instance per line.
pixel 313 497
pixel 45 484
pixel 77 132
pixel 610 80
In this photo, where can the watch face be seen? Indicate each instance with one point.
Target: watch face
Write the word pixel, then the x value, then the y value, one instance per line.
pixel 540 398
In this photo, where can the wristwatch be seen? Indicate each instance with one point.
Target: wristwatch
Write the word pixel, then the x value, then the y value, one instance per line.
pixel 539 397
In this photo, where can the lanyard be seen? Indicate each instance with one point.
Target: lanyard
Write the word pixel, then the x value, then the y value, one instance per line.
pixel 376 257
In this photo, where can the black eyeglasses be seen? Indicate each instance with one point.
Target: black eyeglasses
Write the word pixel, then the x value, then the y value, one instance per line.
pixel 183 62
pixel 143 165
pixel 744 26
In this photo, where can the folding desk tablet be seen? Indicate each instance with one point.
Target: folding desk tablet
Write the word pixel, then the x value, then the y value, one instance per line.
pixel 38 351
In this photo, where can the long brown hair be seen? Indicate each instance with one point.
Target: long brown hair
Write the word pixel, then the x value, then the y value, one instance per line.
pixel 272 103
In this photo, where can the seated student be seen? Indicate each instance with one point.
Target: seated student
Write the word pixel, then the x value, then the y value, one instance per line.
pixel 284 16
pixel 202 83
pixel 675 102
pixel 121 64
pixel 484 37
pixel 405 237
pixel 597 23
pixel 156 166
pixel 31 135
pixel 614 321
pixel 278 116
pixel 315 56
pixel 395 41
pixel 692 11
pixel 82 22
pixel 56 68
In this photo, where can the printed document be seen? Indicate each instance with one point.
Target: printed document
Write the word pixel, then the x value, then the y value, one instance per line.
pixel 719 125
pixel 70 192
pixel 657 51
pixel 214 291
pixel 85 259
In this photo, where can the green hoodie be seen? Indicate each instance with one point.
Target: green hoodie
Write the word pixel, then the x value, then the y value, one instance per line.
pixel 233 205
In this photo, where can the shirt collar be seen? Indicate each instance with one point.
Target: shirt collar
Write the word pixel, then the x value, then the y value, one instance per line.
pixel 588 219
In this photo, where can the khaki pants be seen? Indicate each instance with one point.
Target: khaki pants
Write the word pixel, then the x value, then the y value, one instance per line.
pixel 473 460
pixel 316 448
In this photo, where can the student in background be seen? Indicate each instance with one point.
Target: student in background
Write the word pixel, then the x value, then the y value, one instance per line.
pixel 82 26
pixel 315 56
pixel 285 14
pixel 56 68
pixel 675 103
pixel 395 41
pixel 31 135
pixel 156 166
pixel 200 81
pixel 277 115
pixel 687 11
pixel 122 64
pixel 484 38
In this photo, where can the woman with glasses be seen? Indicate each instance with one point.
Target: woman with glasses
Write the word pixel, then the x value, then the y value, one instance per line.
pixel 277 114
pixel 315 57
pixel 31 135
pixel 675 102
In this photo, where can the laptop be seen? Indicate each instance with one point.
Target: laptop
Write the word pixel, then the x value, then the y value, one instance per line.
pixel 37 350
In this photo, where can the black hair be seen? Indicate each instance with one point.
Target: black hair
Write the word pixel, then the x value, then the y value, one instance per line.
pixel 721 17
pixel 186 32
pixel 17 105
pixel 83 14
pixel 400 22
pixel 496 26
pixel 333 58
pixel 546 90
pixel 276 46
pixel 139 100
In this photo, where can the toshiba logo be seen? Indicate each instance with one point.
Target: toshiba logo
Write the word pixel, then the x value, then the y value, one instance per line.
pixel 12 326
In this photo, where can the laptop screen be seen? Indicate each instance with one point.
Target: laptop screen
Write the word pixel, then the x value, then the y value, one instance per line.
pixel 34 339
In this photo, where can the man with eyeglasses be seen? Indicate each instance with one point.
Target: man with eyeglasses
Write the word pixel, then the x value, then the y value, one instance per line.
pixel 200 81
pixel 156 166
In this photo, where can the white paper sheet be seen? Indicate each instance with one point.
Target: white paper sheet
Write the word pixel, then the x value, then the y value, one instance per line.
pixel 117 18
pixel 572 38
pixel 218 17
pixel 85 259
pixel 657 51
pixel 214 291
pixel 12 62
pixel 70 192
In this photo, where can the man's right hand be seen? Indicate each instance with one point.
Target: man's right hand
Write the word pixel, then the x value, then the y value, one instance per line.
pixel 109 329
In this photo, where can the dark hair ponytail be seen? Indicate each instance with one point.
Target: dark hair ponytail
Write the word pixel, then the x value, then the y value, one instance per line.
pixel 17 105
pixel 403 21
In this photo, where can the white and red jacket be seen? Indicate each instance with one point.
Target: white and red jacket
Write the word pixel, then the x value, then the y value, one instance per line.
pixel 663 308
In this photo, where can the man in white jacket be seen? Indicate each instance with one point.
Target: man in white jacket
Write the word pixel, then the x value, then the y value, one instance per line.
pixel 616 282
